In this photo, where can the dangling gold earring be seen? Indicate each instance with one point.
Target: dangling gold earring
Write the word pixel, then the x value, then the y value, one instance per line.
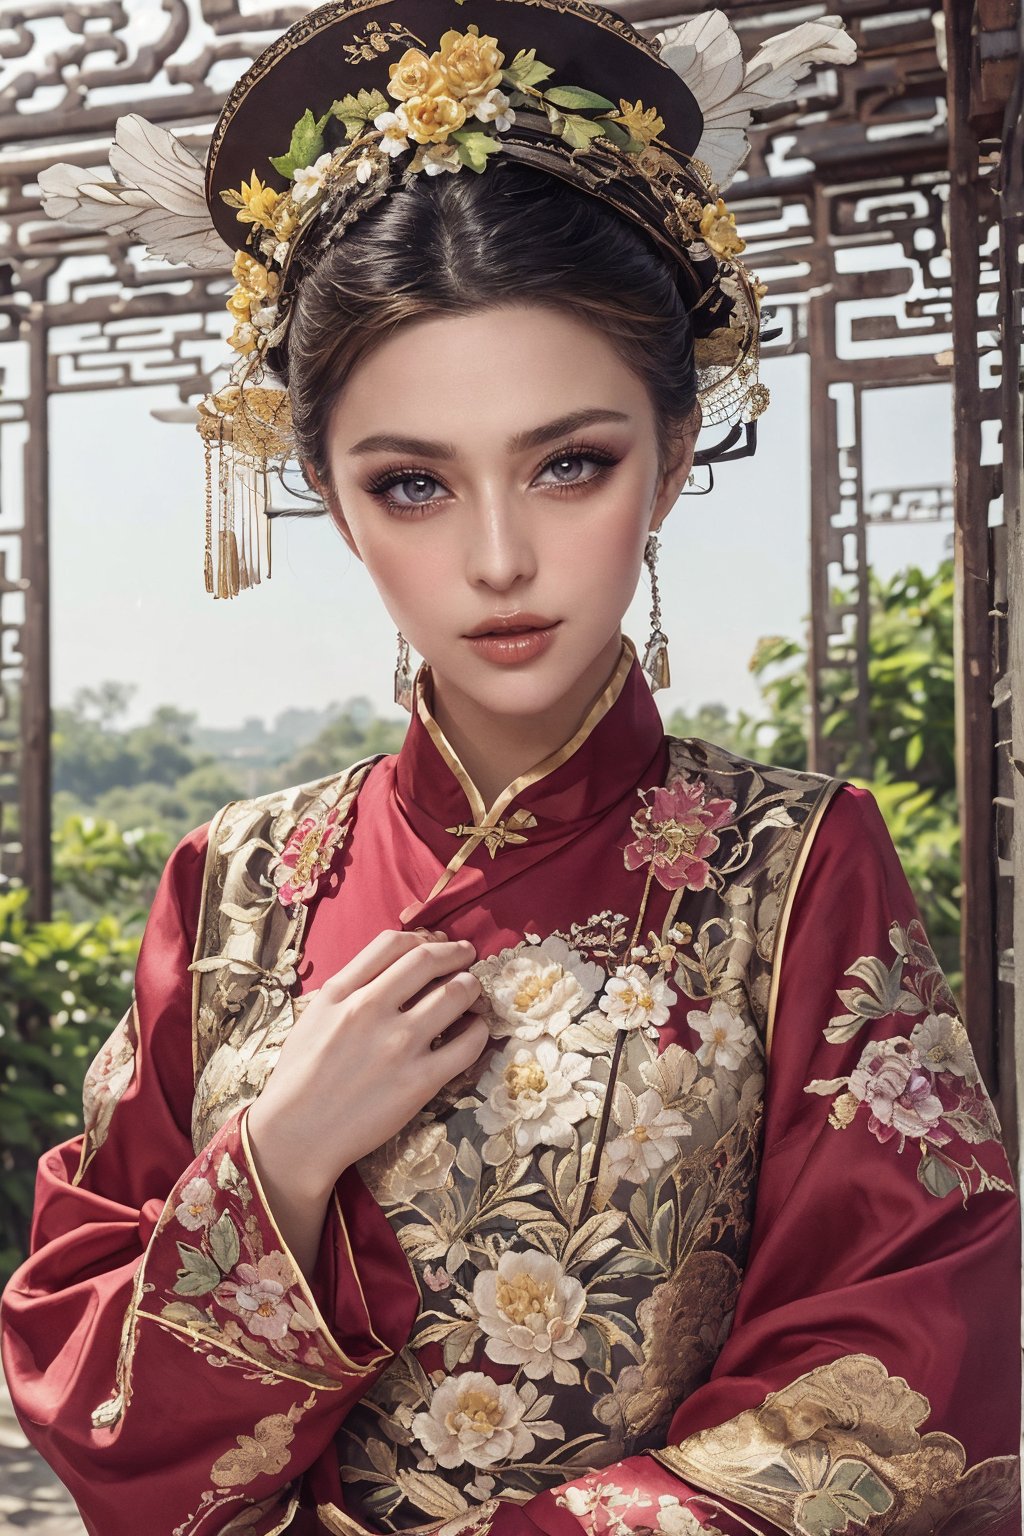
pixel 655 662
pixel 403 675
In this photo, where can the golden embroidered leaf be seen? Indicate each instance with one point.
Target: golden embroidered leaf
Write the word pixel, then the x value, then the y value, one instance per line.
pixel 261 1454
pixel 593 1238
pixel 436 1497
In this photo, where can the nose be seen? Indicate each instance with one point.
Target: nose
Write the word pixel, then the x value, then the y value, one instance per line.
pixel 501 546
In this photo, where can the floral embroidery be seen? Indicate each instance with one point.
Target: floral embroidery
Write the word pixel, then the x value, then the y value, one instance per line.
pixel 649 1137
pixel 839 1449
pixel 109 1075
pixel 923 1087
pixel 538 987
pixel 533 1094
pixel 473 1418
pixel 529 1308
pixel 418 1158
pixel 603 1508
pixel 726 1035
pixel 635 1000
pixel 235 1286
pixel 677 832
pixel 306 856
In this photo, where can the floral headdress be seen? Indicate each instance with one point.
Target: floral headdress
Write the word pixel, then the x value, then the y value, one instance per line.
pixel 370 107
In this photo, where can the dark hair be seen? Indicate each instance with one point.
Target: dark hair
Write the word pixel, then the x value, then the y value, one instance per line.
pixel 453 244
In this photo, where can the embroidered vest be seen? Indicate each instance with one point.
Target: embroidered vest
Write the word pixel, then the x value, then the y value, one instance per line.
pixel 597 1247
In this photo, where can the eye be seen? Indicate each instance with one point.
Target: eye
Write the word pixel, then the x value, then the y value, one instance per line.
pixel 416 486
pixel 567 467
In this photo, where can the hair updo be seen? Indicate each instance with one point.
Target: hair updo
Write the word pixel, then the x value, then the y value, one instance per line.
pixel 456 244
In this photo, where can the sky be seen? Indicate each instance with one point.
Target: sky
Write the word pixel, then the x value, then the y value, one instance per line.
pixel 129 602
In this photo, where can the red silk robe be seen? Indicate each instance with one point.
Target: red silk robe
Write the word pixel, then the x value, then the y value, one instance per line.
pixel 718 1234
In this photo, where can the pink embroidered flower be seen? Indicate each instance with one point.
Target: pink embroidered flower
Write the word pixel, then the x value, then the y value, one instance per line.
pixel 306 856
pixel 197 1205
pixel 677 834
pixel 259 1295
pixel 900 1094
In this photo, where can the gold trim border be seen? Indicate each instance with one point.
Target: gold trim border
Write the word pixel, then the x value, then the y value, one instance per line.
pixel 810 832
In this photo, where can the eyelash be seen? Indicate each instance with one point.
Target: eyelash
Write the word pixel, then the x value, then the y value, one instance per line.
pixel 396 474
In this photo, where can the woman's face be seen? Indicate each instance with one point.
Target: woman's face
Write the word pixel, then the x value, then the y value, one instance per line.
pixel 499 462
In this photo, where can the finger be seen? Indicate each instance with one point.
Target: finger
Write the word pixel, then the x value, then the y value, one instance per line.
pixel 419 969
pixel 460 1046
pixel 373 959
pixel 442 1002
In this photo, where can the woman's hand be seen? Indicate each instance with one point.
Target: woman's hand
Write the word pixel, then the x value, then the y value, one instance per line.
pixel 359 1062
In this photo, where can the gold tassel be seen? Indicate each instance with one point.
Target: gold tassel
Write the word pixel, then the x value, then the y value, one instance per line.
pixel 247 425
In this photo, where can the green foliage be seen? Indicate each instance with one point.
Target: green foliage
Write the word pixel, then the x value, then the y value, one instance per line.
pixel 63 987
pixel 910 755
pixel 910 687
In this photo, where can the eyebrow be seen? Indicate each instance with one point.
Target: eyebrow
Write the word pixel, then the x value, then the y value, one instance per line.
pixel 519 441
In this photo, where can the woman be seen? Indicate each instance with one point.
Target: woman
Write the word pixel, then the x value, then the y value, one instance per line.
pixel 555 1124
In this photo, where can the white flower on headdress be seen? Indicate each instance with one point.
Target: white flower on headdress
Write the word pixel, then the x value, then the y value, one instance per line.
pixel 266 318
pixel 706 54
pixel 395 128
pixel 310 178
pixel 364 168
pixel 493 108
pixel 440 157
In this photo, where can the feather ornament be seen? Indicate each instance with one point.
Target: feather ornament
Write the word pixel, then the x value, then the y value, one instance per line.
pixel 705 53
pixel 157 195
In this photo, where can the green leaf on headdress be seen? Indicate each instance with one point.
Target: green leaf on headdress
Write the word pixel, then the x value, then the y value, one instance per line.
pixel 619 135
pixel 576 98
pixel 474 147
pixel 358 110
pixel 578 131
pixel 306 146
pixel 526 69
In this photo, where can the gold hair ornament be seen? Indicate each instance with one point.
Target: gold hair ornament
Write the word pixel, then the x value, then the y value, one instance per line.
pixel 450 110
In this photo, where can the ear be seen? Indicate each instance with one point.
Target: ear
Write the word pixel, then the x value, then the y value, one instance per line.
pixel 330 500
pixel 676 474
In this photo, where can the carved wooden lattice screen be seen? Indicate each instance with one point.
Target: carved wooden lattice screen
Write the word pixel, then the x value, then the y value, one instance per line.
pixel 860 164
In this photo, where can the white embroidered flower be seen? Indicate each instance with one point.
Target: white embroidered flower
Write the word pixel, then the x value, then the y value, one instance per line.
pixel 943 1045
pixel 418 1158
pixel 727 1039
pixel 534 1094
pixel 634 1000
pixel 197 1207
pixel 650 1134
pixel 364 168
pixel 492 108
pixel 529 1309
pixel 395 128
pixel 310 178
pixel 675 1520
pixel 440 157
pixel 477 1419
pixel 538 989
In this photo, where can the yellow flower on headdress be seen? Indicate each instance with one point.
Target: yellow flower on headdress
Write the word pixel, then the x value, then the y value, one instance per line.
pixel 718 227
pixel 644 125
pixel 284 219
pixel 254 278
pixel 416 75
pixel 258 203
pixel 471 63
pixel 432 118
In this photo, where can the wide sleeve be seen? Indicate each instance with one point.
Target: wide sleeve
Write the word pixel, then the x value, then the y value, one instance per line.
pixel 163 1350
pixel 871 1378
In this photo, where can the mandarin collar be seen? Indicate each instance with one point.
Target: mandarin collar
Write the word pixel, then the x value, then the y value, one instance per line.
pixel 607 757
